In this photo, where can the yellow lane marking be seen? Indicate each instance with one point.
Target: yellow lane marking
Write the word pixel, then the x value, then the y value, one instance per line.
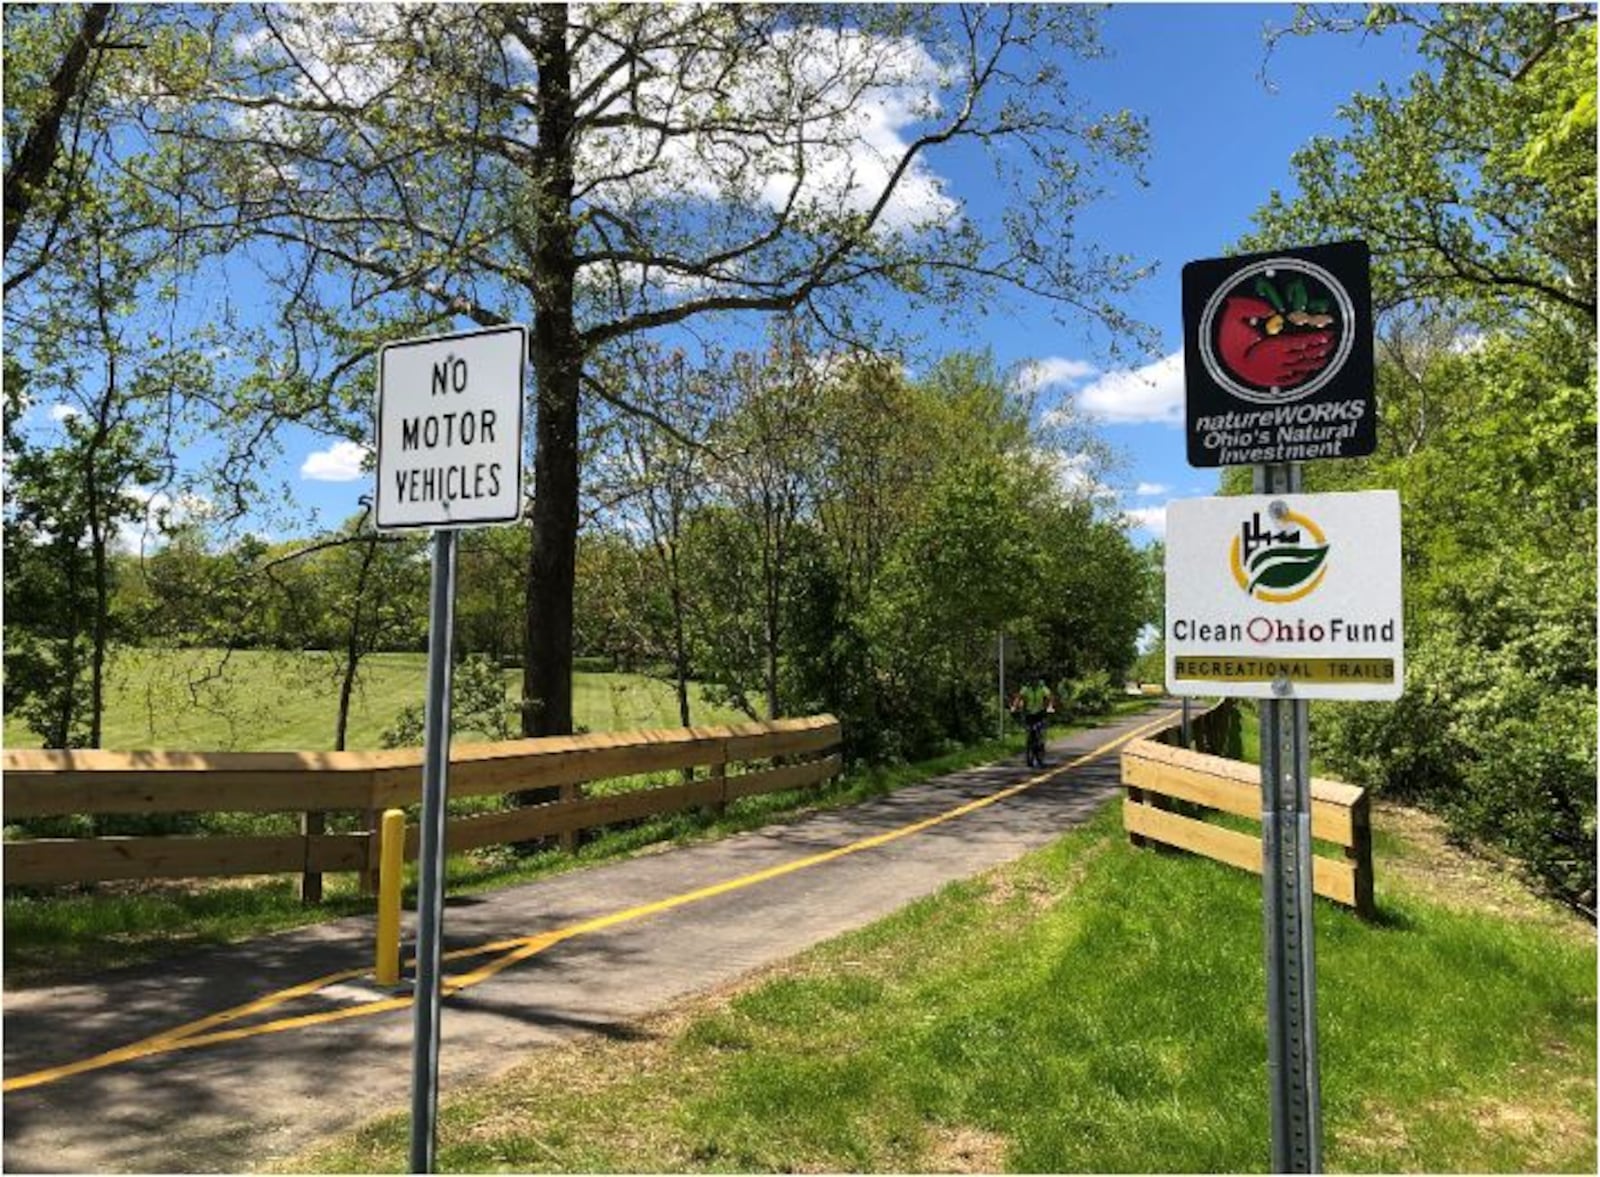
pixel 203 1032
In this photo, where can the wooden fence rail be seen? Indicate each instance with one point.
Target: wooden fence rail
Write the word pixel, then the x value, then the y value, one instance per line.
pixel 44 783
pixel 1155 774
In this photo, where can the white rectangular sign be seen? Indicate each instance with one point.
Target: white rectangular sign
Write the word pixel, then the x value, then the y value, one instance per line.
pixel 450 429
pixel 1288 596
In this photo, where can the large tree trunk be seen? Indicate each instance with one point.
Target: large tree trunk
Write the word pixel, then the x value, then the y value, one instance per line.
pixel 558 365
pixel 26 176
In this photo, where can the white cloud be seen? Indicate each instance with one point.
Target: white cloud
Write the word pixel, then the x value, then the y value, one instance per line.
pixel 162 512
pixel 62 412
pixel 341 462
pixel 1054 372
pixel 1151 519
pixel 1075 474
pixel 1149 489
pixel 1137 396
pixel 861 101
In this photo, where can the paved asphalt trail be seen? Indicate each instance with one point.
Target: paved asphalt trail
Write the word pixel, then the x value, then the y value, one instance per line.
pixel 240 1103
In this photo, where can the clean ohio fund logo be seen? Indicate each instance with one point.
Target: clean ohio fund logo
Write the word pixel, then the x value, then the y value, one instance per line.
pixel 1282 565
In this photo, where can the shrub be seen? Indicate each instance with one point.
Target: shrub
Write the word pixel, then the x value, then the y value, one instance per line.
pixel 1505 755
pixel 477 704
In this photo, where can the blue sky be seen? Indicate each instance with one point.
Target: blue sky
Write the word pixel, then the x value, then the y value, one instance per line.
pixel 1220 142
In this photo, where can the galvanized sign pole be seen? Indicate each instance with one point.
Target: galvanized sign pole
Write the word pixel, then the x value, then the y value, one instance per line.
pixel 1286 890
pixel 430 893
pixel 449 434
pixel 1000 646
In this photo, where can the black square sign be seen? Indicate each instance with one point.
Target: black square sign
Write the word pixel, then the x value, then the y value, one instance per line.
pixel 1277 356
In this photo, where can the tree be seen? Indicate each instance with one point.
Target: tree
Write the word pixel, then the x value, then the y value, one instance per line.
pixel 374 588
pixel 655 478
pixel 490 576
pixel 767 460
pixel 613 170
pixel 968 567
pixel 67 501
pixel 1476 190
pixel 39 183
pixel 1476 184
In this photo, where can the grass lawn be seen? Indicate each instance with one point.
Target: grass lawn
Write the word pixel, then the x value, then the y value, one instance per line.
pixel 263 700
pixel 1091 1007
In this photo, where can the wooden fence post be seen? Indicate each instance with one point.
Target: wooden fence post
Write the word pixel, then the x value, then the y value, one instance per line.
pixel 314 822
pixel 570 838
pixel 1359 855
pixel 719 773
pixel 1135 797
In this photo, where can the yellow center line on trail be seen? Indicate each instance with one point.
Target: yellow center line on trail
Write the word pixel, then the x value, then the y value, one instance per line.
pixel 204 1032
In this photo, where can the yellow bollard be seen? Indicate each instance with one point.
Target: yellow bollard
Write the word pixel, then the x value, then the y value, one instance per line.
pixel 391 859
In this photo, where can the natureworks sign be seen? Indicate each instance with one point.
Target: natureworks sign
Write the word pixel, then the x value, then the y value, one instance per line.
pixel 1292 596
pixel 1278 356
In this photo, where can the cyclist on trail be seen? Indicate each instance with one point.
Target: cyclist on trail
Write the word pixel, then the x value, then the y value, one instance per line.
pixel 1035 702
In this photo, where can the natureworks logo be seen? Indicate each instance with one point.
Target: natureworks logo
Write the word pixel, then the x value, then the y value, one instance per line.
pixel 1277 331
pixel 1279 566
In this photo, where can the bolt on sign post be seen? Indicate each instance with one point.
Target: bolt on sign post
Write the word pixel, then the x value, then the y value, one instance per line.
pixel 449 436
pixel 1283 596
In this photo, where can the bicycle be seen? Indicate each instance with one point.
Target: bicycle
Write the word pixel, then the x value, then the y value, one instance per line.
pixel 1035 724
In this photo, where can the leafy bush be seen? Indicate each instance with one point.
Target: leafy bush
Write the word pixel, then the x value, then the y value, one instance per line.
pixel 1094 693
pixel 478 704
pixel 1507 756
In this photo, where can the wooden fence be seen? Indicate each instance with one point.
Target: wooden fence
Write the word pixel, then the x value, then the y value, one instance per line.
pixel 1156 774
pixel 48 783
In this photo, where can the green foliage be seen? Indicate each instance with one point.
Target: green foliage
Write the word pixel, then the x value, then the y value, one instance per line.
pixel 854 541
pixel 64 505
pixel 1092 694
pixel 1477 182
pixel 1497 498
pixel 478 704
pixel 1475 188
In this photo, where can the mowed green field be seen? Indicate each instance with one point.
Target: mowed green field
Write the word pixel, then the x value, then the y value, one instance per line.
pixel 261 700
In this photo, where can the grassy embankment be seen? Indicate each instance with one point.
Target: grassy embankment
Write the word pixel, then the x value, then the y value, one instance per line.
pixel 63 933
pixel 1091 1007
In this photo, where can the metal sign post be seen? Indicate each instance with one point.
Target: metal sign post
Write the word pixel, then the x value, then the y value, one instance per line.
pixel 1278 369
pixel 430 894
pixel 1000 645
pixel 449 434
pixel 1286 892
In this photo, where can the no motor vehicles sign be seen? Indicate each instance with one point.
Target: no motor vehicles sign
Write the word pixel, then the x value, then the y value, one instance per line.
pixel 1285 597
pixel 450 429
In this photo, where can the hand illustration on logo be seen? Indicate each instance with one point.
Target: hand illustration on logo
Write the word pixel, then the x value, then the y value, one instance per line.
pixel 1276 331
pixel 1269 348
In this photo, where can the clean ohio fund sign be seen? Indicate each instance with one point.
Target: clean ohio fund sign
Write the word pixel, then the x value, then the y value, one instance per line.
pixel 1289 597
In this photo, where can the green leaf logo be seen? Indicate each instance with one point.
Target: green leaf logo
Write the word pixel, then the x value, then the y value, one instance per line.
pixel 1284 567
pixel 1278 559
